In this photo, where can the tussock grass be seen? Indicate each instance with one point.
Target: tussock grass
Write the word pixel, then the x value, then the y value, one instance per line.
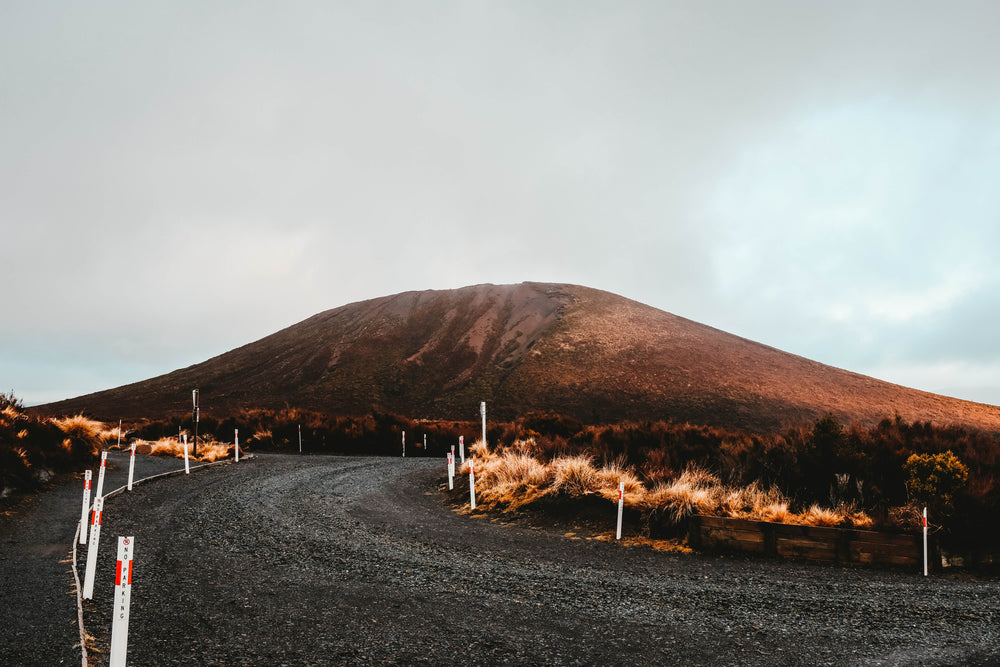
pixel 514 478
pixel 208 450
pixel 82 434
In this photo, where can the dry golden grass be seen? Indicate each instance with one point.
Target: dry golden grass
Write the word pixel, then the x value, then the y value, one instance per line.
pixel 208 450
pixel 83 428
pixel 515 478
pixel 819 516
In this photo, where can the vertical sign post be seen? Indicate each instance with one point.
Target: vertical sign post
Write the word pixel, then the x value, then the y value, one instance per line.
pixel 300 438
pixel 472 485
pixel 187 466
pixel 123 599
pixel 925 541
pixel 95 538
pixel 195 418
pixel 100 475
pixel 131 467
pixel 461 447
pixel 425 444
pixel 87 476
pixel 621 503
pixel 236 444
pixel 119 434
pixel 482 410
pixel 451 471
pixel 404 444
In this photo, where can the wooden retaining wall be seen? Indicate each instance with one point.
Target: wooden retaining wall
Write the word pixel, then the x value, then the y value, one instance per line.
pixel 808 542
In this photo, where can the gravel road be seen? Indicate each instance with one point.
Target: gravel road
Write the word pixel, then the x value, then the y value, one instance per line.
pixel 287 560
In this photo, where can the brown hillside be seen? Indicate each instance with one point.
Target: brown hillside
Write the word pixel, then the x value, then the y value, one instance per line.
pixel 534 346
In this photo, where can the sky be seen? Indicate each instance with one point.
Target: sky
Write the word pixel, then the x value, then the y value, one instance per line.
pixel 178 179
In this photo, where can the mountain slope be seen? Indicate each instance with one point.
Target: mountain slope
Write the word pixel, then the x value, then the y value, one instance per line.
pixel 534 346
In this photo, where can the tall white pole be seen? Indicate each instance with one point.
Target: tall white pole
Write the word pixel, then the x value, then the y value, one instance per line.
pixel 621 504
pixel 404 444
pixel 925 541
pixel 187 466
pixel 300 438
pixel 236 444
pixel 123 600
pixel 100 475
pixel 131 467
pixel 461 447
pixel 119 434
pixel 482 411
pixel 472 484
pixel 87 475
pixel 95 539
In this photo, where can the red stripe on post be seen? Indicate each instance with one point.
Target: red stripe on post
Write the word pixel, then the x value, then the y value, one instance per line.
pixel 130 573
pixel 118 574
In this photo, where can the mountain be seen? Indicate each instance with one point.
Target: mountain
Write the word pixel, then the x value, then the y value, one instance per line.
pixel 574 350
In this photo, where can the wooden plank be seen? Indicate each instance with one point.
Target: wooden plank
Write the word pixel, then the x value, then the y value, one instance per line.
pixel 820 543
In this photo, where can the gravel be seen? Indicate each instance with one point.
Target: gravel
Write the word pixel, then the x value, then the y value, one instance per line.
pixel 289 560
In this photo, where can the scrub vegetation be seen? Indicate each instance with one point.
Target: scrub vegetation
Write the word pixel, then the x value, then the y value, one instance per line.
pixel 823 473
pixel 35 449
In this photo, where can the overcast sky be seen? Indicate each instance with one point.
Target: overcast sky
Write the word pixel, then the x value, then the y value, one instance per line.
pixel 181 178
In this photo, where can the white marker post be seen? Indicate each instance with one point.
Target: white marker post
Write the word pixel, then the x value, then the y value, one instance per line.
pixel 300 438
pixel 425 443
pixel 482 410
pixel 87 476
pixel 119 434
pixel 472 485
pixel 95 538
pixel 461 447
pixel 236 444
pixel 123 599
pixel 187 466
pixel 451 471
pixel 100 475
pixel 131 468
pixel 925 541
pixel 404 444
pixel 621 505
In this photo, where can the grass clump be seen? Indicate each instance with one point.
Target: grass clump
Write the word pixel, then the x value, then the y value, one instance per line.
pixel 33 449
pixel 208 450
pixel 515 477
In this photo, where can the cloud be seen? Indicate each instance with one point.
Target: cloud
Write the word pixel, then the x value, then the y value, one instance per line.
pixel 178 180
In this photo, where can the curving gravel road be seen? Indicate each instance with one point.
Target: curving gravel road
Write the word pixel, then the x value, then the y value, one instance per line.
pixel 287 560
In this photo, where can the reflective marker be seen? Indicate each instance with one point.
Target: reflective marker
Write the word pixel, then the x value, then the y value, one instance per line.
pixel 472 485
pixel 100 475
pixel 451 470
pixel 131 468
pixel 621 504
pixel 95 537
pixel 925 541
pixel 123 599
pixel 87 475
